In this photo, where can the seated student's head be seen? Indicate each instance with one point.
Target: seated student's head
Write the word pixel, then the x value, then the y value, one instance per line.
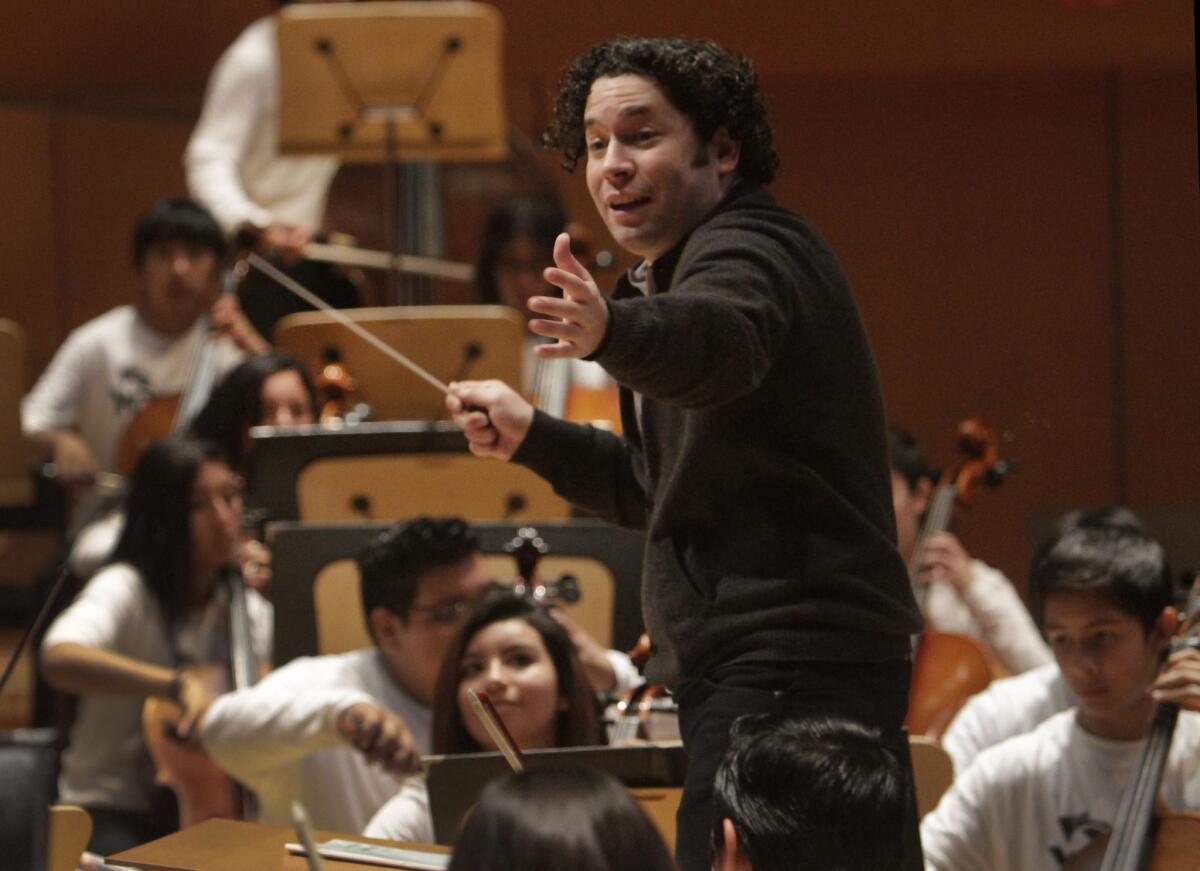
pixel 418 580
pixel 518 244
pixel 574 818
pixel 183 521
pixel 177 246
pixel 912 484
pixel 512 649
pixel 1103 595
pixel 819 793
pixel 270 389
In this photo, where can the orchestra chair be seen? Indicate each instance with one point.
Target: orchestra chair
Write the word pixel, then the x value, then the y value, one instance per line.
pixel 16 484
pixel 315 580
pixel 933 771
pixel 660 805
pixel 70 830
pixel 28 769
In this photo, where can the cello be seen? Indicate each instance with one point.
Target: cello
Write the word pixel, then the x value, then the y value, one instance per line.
pixel 201 788
pixel 947 668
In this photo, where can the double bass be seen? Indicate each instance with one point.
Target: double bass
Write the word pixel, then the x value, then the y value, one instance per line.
pixel 948 669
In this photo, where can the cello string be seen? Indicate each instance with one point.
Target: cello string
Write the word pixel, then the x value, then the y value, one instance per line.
pixel 316 302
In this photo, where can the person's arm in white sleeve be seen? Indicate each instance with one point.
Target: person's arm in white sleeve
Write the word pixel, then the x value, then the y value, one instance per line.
pixel 959 834
pixel 52 409
pixel 1004 621
pixel 233 106
pixel 405 816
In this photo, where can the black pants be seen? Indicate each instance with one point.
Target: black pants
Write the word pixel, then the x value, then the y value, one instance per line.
pixel 114 831
pixel 872 693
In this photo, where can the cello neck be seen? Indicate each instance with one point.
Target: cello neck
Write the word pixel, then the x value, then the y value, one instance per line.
pixel 243 664
pixel 937 520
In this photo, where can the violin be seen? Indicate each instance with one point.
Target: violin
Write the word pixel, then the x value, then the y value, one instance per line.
pixel 1141 839
pixel 947 668
pixel 202 789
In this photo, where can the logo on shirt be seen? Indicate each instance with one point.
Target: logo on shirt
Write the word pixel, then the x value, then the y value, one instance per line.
pixel 131 391
pixel 1078 830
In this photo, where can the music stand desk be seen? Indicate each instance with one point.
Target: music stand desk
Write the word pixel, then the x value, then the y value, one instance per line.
pixel 233 845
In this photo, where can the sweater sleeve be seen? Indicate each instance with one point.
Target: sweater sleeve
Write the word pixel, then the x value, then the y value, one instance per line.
pixel 1004 622
pixel 285 717
pixel 730 309
pixel 588 467
pixel 962 834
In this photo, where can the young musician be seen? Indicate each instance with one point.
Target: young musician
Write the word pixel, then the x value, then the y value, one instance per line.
pixel 138 625
pixel 111 366
pixel 576 818
pixel 334 731
pixel 1016 705
pixel 1104 598
pixel 234 166
pixel 512 649
pixel 820 793
pixel 272 389
pixel 965 596
pixel 755 451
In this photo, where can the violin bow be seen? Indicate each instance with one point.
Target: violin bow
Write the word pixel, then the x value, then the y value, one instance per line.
pixel 486 712
pixel 267 268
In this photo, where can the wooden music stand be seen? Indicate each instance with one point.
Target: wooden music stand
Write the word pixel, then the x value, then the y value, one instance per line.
pixel 453 342
pixel 390 83
pixel 376 82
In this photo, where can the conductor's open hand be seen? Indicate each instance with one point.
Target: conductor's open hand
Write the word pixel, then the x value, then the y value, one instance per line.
pixel 580 318
pixel 380 735
pixel 493 416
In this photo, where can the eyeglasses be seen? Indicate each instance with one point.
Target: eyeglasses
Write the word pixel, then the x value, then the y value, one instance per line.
pixel 444 613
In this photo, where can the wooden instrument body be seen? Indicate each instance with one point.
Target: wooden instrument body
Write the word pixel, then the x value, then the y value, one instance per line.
pixel 948 668
pixel 202 789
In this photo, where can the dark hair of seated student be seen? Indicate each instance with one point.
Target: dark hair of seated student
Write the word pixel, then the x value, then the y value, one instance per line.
pixel 576 723
pixel 392 564
pixel 266 390
pixel 176 220
pixel 1105 517
pixel 554 818
pixel 819 793
pixel 538 219
pixel 157 536
pixel 1119 563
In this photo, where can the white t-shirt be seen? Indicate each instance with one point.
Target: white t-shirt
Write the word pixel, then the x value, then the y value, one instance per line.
pixel 1008 707
pixel 989 611
pixel 405 817
pixel 106 763
pixel 232 159
pixel 280 738
pixel 107 370
pixel 1033 801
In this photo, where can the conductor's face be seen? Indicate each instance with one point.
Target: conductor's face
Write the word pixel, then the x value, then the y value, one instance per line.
pixel 651 178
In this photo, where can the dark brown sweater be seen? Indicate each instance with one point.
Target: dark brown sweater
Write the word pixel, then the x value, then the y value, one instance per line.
pixel 758 467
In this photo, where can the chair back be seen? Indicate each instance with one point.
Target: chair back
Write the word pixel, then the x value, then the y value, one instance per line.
pixel 28 768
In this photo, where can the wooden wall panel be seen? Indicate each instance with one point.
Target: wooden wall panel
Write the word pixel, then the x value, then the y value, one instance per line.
pixel 28 279
pixel 970 215
pixel 111 168
pixel 1160 283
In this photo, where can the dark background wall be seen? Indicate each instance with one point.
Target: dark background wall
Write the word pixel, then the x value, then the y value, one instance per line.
pixel 1011 187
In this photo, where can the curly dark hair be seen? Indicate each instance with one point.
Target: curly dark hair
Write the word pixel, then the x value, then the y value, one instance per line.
pixel 714 87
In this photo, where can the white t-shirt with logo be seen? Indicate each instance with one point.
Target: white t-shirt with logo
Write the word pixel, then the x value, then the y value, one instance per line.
pixel 107 370
pixel 1033 801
